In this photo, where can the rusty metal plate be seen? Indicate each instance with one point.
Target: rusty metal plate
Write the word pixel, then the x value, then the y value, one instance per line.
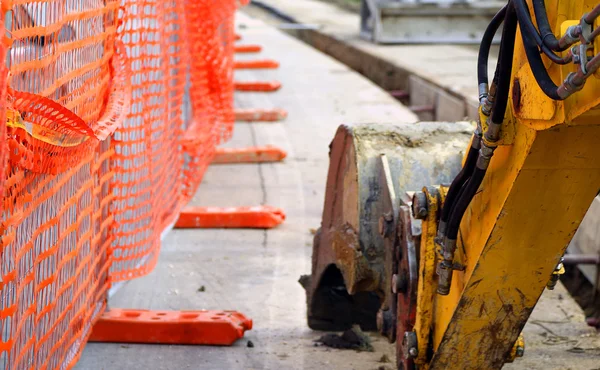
pixel 406 288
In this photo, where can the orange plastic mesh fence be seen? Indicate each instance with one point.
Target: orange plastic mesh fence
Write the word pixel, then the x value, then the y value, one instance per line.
pixel 110 113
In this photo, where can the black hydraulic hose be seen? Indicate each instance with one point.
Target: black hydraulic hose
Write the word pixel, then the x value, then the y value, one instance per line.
pixel 537 65
pixel 467 195
pixel 527 27
pixel 503 78
pixel 486 43
pixel 504 66
pixel 460 179
pixel 591 16
pixel 457 185
pixel 541 18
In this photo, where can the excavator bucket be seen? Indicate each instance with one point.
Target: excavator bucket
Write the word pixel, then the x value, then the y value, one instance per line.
pixel 371 169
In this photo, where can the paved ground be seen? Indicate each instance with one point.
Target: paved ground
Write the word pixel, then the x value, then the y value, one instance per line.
pixel 256 271
pixel 450 67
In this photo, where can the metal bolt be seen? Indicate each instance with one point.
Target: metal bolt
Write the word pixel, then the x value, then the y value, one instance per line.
pixel 552 282
pixel 559 270
pixel 385 224
pixel 419 205
pixel 409 345
pixel 520 351
pixel 399 283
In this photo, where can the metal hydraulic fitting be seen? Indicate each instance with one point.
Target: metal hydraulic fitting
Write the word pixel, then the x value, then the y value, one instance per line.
pixel 518 349
pixel 559 270
pixel 445 268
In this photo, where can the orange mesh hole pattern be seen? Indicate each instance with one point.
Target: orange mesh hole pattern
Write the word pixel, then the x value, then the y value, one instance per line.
pixel 54 246
pixel 54 262
pixel 111 112
pixel 182 107
pixel 211 40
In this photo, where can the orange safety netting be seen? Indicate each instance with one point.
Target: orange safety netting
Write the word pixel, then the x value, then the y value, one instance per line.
pixel 110 113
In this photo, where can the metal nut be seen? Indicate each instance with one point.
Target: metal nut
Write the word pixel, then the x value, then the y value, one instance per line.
pixel 386 224
pixel 419 205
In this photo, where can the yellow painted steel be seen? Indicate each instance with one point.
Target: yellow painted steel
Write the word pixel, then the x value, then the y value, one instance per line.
pixel 427 262
pixel 540 183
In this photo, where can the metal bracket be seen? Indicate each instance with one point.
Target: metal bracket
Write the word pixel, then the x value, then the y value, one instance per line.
pixel 450 22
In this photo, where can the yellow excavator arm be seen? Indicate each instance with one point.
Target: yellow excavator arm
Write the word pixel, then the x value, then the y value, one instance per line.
pixel 448 258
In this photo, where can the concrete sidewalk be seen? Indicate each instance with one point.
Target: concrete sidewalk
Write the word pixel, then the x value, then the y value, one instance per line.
pixel 438 75
pixel 256 271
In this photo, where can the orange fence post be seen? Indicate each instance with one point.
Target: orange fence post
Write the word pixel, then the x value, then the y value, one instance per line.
pixel 256 64
pixel 260 115
pixel 260 217
pixel 248 48
pixel 217 328
pixel 263 154
pixel 256 86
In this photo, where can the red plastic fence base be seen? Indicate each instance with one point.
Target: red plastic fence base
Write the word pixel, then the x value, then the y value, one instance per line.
pixel 238 36
pixel 171 327
pixel 248 155
pixel 261 86
pixel 248 49
pixel 260 115
pixel 256 64
pixel 260 217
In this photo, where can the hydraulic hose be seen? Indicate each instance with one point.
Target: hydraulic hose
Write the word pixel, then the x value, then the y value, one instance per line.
pixel 503 73
pixel 504 65
pixel 484 48
pixel 460 179
pixel 591 16
pixel 461 205
pixel 457 186
pixel 482 75
pixel 527 27
pixel 541 18
pixel 535 61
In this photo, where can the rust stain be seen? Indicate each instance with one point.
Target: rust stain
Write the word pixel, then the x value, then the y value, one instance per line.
pixel 352 262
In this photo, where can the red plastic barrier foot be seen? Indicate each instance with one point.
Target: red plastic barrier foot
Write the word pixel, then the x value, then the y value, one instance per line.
pixel 260 217
pixel 218 328
pixel 248 155
pixel 260 115
pixel 258 86
pixel 238 36
pixel 256 64
pixel 248 49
